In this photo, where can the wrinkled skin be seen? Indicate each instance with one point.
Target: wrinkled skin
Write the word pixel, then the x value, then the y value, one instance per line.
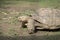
pixel 23 18
pixel 28 21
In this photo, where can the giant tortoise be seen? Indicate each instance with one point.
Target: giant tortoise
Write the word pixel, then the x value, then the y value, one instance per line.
pixel 44 18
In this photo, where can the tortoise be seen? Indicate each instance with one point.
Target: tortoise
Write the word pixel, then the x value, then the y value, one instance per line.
pixel 44 18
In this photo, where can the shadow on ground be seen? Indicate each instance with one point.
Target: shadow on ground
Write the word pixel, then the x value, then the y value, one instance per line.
pixel 50 30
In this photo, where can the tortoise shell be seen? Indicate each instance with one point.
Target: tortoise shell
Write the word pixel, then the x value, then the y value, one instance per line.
pixel 48 16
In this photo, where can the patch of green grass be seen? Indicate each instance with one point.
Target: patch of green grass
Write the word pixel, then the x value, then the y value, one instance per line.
pixel 50 3
pixel 42 3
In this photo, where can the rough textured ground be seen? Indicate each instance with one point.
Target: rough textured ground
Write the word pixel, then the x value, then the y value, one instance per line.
pixel 10 26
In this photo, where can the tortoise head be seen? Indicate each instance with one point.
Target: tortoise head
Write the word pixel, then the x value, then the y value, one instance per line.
pixel 23 18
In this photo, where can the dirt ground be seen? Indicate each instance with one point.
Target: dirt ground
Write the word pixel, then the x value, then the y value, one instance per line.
pixel 10 27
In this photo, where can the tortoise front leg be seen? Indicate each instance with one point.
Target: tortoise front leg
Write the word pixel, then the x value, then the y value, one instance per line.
pixel 31 26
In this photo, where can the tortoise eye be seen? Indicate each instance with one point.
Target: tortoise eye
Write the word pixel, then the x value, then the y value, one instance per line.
pixel 19 18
